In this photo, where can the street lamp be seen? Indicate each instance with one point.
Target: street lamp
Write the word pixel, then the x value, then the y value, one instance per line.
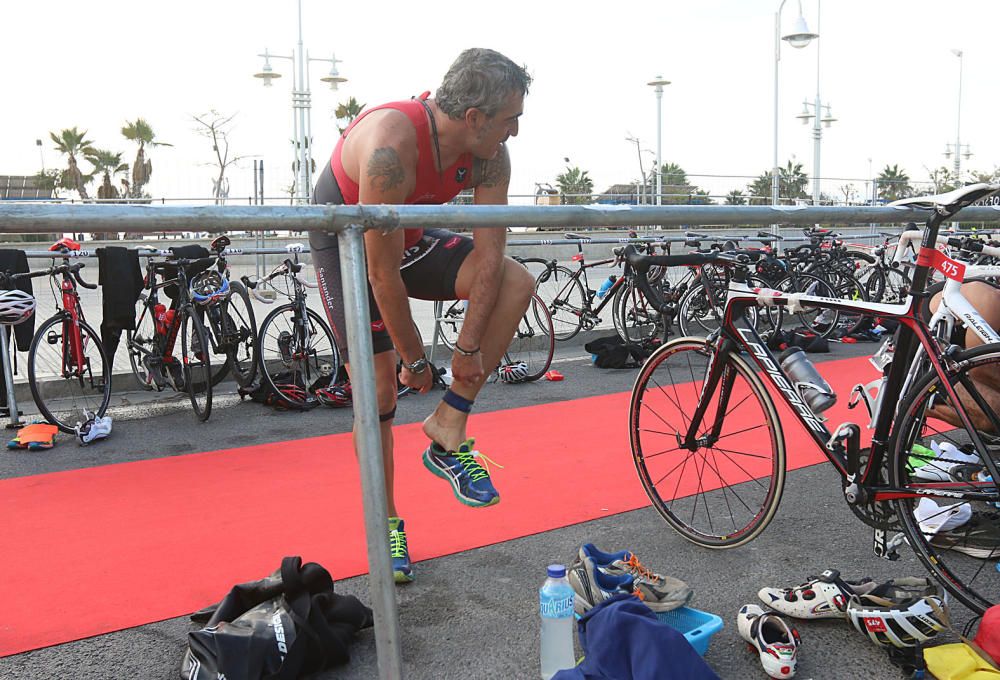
pixel 301 103
pixel 827 119
pixel 798 38
pixel 948 150
pixel 657 86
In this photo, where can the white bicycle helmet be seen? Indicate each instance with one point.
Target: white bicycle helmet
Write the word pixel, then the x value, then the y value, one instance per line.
pixel 903 612
pixel 513 372
pixel 15 306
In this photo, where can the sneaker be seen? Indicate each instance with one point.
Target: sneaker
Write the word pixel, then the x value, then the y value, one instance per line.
pixel 660 593
pixel 824 597
pixel 469 480
pixel 94 428
pixel 402 570
pixel 979 537
pixel 768 634
pixel 593 586
pixel 939 462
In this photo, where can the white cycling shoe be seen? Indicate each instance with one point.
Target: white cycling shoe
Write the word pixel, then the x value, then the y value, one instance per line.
pixel 824 597
pixel 776 643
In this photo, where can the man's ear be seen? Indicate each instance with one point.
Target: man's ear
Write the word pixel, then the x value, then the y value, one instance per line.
pixel 474 118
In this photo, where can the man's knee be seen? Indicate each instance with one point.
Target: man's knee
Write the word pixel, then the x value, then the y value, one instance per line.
pixel 519 284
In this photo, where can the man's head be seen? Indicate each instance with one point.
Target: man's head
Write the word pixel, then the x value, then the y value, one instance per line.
pixel 486 90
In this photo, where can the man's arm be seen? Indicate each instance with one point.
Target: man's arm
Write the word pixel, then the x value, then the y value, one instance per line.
pixel 387 173
pixel 491 189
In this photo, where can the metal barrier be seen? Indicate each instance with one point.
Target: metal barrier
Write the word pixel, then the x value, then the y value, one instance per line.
pixel 350 222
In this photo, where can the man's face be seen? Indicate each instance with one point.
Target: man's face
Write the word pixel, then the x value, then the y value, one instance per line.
pixel 491 132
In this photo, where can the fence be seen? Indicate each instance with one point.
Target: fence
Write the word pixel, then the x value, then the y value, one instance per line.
pixel 350 223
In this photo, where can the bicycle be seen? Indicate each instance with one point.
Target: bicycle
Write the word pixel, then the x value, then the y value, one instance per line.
pixel 68 369
pixel 694 393
pixel 152 344
pixel 295 345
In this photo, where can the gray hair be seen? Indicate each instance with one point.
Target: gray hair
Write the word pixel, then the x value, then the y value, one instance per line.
pixel 481 79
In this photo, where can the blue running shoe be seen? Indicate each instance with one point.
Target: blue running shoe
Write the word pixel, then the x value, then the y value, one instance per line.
pixel 469 480
pixel 402 570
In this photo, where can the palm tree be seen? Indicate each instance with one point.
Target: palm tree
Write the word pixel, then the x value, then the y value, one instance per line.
pixel 760 189
pixel 893 183
pixel 346 112
pixel 109 163
pixel 572 183
pixel 736 197
pixel 71 142
pixel 792 181
pixel 141 132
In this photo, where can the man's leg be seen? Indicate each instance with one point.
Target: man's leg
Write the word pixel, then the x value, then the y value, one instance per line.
pixel 447 426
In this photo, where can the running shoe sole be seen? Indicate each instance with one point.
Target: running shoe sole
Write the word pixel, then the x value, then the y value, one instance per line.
pixel 432 466
pixel 957 545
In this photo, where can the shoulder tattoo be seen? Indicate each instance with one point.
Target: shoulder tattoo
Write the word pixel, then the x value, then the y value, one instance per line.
pixel 385 169
pixel 493 172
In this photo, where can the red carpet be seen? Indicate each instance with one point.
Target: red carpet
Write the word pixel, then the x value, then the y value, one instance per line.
pixel 97 550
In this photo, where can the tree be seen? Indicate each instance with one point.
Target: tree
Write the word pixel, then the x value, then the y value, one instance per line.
pixel 346 112
pixel 791 185
pixel 850 193
pixel 141 132
pixel 943 179
pixel 107 163
pixel 217 127
pixel 893 183
pixel 71 142
pixel 736 197
pixel 572 184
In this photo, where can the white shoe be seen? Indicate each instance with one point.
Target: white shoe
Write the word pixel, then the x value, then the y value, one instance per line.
pixel 821 598
pixel 947 458
pixel 93 429
pixel 772 638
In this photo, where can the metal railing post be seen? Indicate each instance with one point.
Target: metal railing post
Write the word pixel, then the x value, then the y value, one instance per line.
pixel 368 442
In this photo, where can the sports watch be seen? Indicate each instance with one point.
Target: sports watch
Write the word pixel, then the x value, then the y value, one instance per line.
pixel 418 366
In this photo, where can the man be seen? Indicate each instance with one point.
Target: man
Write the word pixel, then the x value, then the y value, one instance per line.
pixel 427 151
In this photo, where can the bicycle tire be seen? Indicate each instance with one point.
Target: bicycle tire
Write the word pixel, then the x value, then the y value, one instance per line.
pixel 942 555
pixel 196 363
pixel 662 399
pixel 565 298
pixel 51 396
pixel 140 344
pixel 239 331
pixel 533 343
pixel 308 352
pixel 821 322
pixel 450 321
pixel 636 321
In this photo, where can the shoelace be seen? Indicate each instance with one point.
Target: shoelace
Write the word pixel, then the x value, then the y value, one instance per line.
pixel 472 466
pixel 637 568
pixel 397 543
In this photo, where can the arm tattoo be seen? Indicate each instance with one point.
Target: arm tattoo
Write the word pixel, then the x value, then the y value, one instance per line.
pixel 495 172
pixel 385 169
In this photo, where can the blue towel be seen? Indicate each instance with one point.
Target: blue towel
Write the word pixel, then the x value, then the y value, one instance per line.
pixel 623 640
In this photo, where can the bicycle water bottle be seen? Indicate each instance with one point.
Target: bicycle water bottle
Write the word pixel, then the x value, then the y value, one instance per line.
pixel 807 381
pixel 555 599
pixel 606 286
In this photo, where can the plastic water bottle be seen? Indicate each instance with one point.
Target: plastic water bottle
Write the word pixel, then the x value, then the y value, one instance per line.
pixel 606 286
pixel 555 599
pixel 808 382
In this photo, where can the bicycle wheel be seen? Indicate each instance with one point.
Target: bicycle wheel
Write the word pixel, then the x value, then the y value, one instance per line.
pixel 196 363
pixel 239 334
pixel 533 342
pixel 724 491
pixel 635 318
pixel 298 350
pixel 821 322
pixel 847 288
pixel 883 284
pixel 141 345
pixel 930 454
pixel 65 385
pixel 699 311
pixel 450 321
pixel 565 298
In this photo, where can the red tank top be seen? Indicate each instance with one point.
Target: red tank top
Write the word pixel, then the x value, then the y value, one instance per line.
pixel 431 187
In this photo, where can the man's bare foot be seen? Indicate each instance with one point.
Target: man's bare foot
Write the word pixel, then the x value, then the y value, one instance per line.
pixel 448 432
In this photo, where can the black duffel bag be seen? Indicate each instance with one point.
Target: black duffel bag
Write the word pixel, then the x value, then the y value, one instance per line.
pixel 278 628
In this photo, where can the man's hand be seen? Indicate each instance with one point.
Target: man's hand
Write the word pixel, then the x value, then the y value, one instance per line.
pixel 420 382
pixel 467 369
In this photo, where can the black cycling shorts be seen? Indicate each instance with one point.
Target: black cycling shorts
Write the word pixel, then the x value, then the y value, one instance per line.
pixel 429 269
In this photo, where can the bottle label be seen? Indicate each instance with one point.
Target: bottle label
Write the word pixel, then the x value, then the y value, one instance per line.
pixel 556 607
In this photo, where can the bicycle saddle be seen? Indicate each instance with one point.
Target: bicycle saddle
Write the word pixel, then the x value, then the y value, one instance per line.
pixel 952 201
pixel 65 244
pixel 570 234
pixel 220 243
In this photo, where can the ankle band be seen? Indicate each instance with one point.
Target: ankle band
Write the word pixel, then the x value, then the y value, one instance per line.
pixel 384 417
pixel 457 402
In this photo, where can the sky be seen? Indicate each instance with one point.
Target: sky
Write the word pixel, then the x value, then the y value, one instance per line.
pixel 886 69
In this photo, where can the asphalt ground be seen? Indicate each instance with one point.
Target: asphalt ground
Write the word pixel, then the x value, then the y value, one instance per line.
pixel 474 614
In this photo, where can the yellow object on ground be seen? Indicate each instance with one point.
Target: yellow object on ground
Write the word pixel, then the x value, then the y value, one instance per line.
pixel 958 662
pixel 35 436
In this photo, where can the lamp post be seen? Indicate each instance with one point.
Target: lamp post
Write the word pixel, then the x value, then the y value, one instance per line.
pixel 958 128
pixel 301 104
pixel 657 86
pixel 827 119
pixel 798 38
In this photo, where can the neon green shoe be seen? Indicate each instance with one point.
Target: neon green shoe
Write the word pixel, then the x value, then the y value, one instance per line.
pixel 402 570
